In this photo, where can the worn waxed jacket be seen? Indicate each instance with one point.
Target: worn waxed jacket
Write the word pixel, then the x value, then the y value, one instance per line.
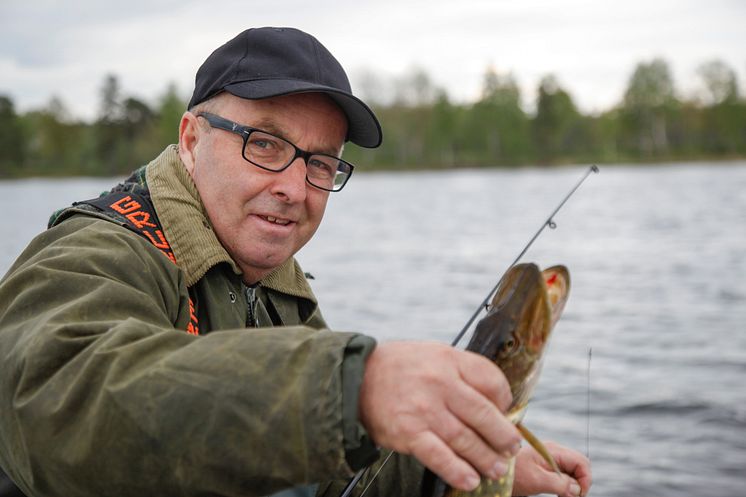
pixel 103 393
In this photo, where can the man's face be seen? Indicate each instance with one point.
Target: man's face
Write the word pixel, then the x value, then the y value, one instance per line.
pixel 262 218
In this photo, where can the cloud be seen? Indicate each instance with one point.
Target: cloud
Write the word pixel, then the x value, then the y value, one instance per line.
pixel 66 48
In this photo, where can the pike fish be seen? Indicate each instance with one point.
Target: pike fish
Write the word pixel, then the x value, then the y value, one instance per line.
pixel 514 334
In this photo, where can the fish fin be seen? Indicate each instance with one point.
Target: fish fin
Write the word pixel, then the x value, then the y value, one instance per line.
pixel 539 446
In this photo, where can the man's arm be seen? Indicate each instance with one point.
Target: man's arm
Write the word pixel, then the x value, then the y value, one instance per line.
pixel 101 393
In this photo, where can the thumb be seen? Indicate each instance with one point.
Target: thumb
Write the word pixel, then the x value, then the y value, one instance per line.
pixel 560 485
pixel 566 486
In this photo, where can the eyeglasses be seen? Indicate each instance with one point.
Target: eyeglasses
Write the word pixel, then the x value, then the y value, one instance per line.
pixel 275 154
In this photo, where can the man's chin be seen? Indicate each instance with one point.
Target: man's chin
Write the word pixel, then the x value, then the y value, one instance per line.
pixel 261 266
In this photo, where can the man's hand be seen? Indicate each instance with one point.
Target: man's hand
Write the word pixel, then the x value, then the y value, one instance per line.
pixel 443 406
pixel 534 476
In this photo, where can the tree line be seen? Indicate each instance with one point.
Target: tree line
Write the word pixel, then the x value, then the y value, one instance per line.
pixel 423 128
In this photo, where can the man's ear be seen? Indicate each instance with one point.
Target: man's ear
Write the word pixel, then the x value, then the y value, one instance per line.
pixel 189 133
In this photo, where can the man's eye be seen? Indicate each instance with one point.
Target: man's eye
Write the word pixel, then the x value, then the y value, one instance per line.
pixel 321 166
pixel 262 143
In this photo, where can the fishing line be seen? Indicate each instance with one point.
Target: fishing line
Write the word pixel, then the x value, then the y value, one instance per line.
pixel 552 225
pixel 377 472
pixel 588 408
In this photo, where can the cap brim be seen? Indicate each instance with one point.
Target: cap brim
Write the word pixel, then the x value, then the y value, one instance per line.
pixel 363 126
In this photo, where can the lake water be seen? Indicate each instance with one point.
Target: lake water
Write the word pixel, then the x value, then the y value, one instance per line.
pixel 657 256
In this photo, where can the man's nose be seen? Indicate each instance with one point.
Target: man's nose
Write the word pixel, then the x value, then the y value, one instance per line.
pixel 290 184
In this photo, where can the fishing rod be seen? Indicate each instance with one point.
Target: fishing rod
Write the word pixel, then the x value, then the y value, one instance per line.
pixel 552 225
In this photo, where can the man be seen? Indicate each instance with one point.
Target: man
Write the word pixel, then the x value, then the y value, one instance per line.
pixel 127 366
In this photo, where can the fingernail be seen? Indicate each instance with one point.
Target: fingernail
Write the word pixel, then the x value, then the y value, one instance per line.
pixel 575 489
pixel 498 470
pixel 514 450
pixel 472 482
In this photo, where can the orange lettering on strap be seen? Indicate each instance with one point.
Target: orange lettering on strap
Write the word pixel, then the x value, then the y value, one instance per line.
pixel 131 205
pixel 161 243
pixel 141 219
pixel 192 327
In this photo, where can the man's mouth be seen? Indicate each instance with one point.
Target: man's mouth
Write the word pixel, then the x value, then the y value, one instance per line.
pixel 276 220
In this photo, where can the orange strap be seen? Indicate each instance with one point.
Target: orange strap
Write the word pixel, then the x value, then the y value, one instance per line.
pixel 141 218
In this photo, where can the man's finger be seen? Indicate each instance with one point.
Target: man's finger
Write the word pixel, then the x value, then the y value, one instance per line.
pixel 485 377
pixel 571 488
pixel 477 412
pixel 574 464
pixel 470 446
pixel 560 485
pixel 441 460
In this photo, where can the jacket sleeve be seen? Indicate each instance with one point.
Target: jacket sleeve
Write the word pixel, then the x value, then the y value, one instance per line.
pixel 101 394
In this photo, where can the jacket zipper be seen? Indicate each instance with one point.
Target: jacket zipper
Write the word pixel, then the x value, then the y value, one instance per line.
pixel 251 300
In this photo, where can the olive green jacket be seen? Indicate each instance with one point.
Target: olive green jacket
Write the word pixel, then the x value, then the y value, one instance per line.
pixel 102 393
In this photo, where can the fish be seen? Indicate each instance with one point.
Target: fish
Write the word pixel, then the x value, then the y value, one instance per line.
pixel 514 334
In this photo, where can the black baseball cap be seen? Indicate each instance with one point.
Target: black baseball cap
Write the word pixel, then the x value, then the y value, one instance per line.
pixel 270 62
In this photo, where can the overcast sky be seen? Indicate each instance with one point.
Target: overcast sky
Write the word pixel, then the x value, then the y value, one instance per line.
pixel 65 48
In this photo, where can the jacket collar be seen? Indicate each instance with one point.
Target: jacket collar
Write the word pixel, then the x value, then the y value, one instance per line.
pixel 189 231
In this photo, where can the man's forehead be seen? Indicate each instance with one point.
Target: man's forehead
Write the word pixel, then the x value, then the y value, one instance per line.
pixel 291 117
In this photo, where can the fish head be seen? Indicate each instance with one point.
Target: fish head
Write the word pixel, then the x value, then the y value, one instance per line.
pixel 519 321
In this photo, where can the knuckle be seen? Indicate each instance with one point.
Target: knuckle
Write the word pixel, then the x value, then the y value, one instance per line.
pixel 444 351
pixel 437 458
pixel 433 452
pixel 504 399
pixel 462 440
pixel 505 438
pixel 511 434
pixel 419 444
pixel 498 382
pixel 431 378
pixel 452 432
pixel 485 414
pixel 481 364
pixel 430 452
pixel 420 405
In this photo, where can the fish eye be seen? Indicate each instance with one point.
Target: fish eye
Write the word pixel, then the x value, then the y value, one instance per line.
pixel 507 347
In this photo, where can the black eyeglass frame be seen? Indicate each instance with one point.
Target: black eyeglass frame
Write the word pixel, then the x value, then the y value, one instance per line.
pixel 245 132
